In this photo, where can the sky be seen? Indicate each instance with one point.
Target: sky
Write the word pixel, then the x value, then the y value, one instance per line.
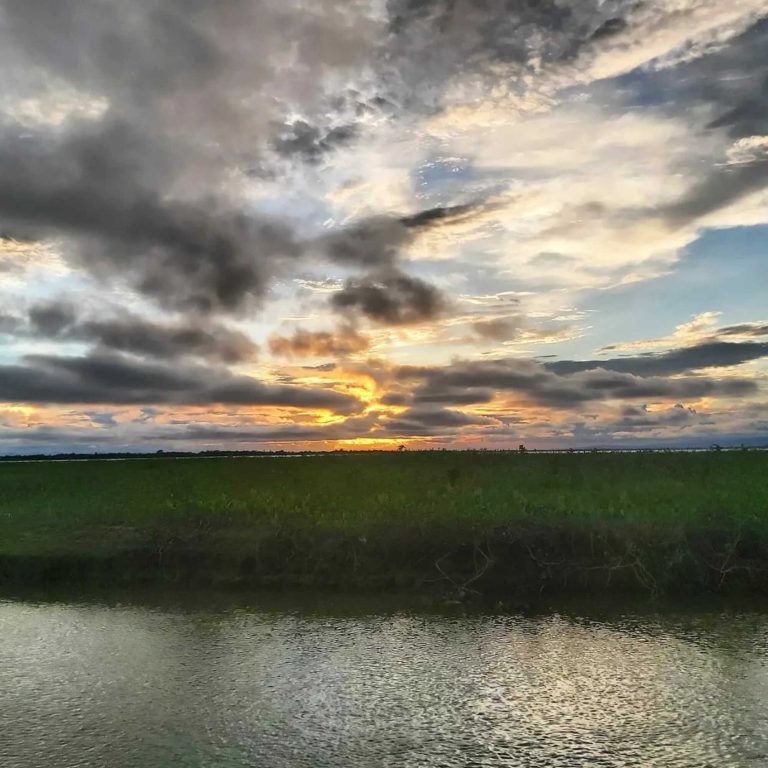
pixel 359 224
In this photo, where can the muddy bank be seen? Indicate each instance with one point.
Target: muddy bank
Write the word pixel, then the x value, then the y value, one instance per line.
pixel 505 563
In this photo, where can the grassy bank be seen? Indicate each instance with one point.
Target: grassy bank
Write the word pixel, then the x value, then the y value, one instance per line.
pixel 494 523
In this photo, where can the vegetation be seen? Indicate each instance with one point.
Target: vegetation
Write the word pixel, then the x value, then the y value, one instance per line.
pixel 498 523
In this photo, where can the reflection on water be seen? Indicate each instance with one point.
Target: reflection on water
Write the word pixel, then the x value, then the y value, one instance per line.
pixel 151 688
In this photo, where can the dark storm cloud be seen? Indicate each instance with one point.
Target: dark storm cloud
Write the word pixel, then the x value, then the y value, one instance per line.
pixel 99 184
pixel 722 186
pixel 594 385
pixel 441 214
pixel 8 323
pixel 396 398
pixel 390 298
pixel 30 437
pixel 469 396
pixel 51 319
pixel 539 384
pixel 116 434
pixel 744 329
pixel 434 40
pixel 420 421
pixel 378 240
pixel 310 142
pixel 105 183
pixel 95 185
pixel 292 433
pixel 127 332
pixel 732 84
pixel 206 66
pixel 640 418
pixel 386 295
pixel 303 343
pixel 102 378
pixel 610 27
pixel 710 354
pixel 190 90
pixel 373 242
pixel 146 51
pixel 734 80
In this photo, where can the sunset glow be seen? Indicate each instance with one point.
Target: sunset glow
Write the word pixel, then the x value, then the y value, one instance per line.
pixel 366 224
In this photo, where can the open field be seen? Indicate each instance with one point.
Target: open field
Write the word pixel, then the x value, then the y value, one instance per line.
pixel 498 522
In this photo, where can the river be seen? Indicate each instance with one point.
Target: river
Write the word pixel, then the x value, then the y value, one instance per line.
pixel 280 682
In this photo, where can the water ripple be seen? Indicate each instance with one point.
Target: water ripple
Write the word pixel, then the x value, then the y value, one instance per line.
pixel 90 686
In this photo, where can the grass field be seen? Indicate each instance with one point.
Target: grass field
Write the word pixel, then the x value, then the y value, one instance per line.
pixel 392 518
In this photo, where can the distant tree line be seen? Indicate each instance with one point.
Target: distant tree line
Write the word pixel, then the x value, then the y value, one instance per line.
pixel 81 456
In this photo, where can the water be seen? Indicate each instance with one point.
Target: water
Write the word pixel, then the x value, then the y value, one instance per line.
pixel 219 685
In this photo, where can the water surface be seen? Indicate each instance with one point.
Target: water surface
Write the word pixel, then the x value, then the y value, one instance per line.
pixel 218 685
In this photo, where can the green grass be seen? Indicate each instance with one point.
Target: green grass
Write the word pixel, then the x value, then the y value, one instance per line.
pixel 60 505
pixel 232 506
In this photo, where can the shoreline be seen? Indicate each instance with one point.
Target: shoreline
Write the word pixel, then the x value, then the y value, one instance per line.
pixel 508 527
pixel 516 564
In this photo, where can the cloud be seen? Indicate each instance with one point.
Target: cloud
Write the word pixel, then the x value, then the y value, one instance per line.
pixel 538 384
pixel 127 332
pixel 390 298
pixel 452 396
pixel 95 185
pixel 8 323
pixel 734 80
pixel 405 158
pixel 721 187
pixel 52 318
pixel 744 329
pixel 710 354
pixel 498 329
pixel 377 241
pixel 421 421
pixel 731 83
pixel 143 192
pixel 114 436
pixel 640 418
pixel 140 200
pixel 137 200
pixel 103 379
pixel 54 438
pixel 303 343
pixel 441 216
pixel 436 41
pixel 580 162
pixel 310 142
pixel 289 433
pixel 702 328
pixel 102 418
